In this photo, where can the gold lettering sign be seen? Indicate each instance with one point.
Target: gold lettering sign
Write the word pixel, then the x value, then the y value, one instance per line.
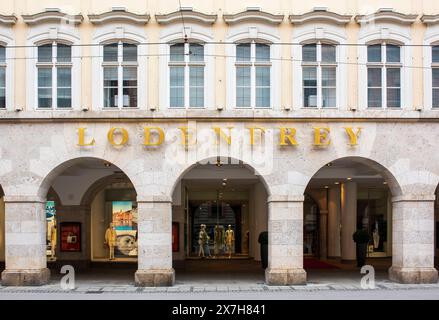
pixel 119 136
pixel 288 134
pixel 81 138
pixel 220 134
pixel 252 134
pixel 124 139
pixel 353 136
pixel 321 137
pixel 187 137
pixel 148 136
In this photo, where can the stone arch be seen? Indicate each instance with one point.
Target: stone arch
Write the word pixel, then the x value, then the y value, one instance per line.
pixel 96 187
pixel 60 167
pixel 213 160
pixel 393 183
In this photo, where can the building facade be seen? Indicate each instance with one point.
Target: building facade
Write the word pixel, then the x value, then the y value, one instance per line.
pixel 309 120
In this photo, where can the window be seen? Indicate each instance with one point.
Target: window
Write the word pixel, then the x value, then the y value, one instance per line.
pixel 2 77
pixel 319 75
pixel 120 75
pixel 253 75
pixel 383 76
pixel 435 74
pixel 186 75
pixel 54 68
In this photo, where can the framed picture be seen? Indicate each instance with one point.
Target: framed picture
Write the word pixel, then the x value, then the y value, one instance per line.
pixel 70 233
pixel 175 237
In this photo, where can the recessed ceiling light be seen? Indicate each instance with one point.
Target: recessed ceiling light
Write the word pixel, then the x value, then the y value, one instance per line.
pixel 329 164
pixel 326 187
pixel 385 182
pixel 336 182
pixel 107 164
pixel 349 178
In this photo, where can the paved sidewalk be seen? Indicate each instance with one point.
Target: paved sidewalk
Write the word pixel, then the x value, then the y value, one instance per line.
pixel 102 288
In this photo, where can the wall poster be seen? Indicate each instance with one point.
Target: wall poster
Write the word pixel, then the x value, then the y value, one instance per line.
pixel 70 236
pixel 125 223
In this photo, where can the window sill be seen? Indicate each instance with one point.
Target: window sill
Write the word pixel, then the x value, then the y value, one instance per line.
pixel 54 109
pixel 118 109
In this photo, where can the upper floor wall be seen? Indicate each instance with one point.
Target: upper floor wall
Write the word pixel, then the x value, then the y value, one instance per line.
pixel 222 83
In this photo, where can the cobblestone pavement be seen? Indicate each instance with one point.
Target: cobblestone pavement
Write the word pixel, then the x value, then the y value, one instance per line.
pixel 182 288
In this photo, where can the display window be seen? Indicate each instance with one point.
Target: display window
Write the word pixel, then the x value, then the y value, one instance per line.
pixel 125 224
pixel 51 236
pixel 373 216
pixel 216 231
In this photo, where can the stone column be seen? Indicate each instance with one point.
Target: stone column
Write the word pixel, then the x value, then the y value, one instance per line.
pixel 413 240
pixel 25 239
pixel 348 220
pixel 285 242
pixel 154 243
pixel 334 222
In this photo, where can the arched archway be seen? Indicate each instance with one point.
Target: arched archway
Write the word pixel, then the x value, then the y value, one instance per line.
pixel 354 193
pixel 85 198
pixel 219 192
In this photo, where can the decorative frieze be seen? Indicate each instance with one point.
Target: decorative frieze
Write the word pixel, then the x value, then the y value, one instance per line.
pixel 52 16
pixel 186 15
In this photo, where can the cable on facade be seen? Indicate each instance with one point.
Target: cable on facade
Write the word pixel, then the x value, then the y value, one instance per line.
pixel 228 56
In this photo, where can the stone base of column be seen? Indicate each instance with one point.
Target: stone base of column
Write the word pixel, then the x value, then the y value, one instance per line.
pixel 285 277
pixel 413 275
pixel 154 278
pixel 25 277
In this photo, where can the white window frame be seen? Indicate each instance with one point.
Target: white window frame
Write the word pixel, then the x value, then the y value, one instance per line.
pixel 434 65
pixel 111 33
pixel 7 39
pixel 3 64
pixel 120 64
pixel 326 34
pixel 46 33
pixel 384 65
pixel 197 33
pixel 186 64
pixel 392 34
pixel 319 64
pixel 253 64
pixel 259 33
pixel 54 65
pixel 431 39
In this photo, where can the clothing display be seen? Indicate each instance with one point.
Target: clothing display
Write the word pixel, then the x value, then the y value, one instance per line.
pixel 111 240
pixel 230 240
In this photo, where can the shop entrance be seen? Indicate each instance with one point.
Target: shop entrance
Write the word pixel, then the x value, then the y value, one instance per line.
pixel 91 215
pixel 219 210
pixel 346 196
pixel 218 217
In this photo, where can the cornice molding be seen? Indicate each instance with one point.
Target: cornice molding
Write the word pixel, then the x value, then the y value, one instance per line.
pixel 387 16
pixel 188 16
pixel 253 16
pixel 52 16
pixel 119 16
pixel 430 19
pixel 7 20
pixel 320 16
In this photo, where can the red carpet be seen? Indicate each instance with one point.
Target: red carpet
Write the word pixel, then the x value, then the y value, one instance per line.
pixel 311 263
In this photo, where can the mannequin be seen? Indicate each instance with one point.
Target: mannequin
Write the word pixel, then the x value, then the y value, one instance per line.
pixel 203 242
pixel 53 241
pixel 376 236
pixel 111 240
pixel 230 240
